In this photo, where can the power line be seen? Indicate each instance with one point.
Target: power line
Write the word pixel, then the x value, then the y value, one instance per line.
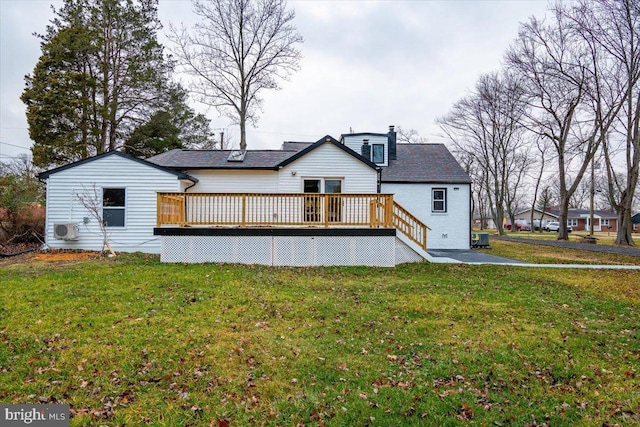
pixel 14 145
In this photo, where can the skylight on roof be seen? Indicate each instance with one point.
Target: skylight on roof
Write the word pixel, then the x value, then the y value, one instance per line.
pixel 236 156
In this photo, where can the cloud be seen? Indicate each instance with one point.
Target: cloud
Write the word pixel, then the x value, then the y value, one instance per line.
pixel 366 65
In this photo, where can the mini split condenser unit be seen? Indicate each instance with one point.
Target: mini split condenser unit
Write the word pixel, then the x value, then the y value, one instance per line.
pixel 65 231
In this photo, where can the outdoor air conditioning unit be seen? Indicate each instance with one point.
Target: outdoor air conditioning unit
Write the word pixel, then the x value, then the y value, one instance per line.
pixel 65 231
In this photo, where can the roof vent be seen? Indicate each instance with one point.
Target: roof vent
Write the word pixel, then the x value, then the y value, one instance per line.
pixel 236 156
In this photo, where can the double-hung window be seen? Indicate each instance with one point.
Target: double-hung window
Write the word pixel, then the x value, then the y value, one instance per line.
pixel 113 207
pixel 439 200
pixel 573 222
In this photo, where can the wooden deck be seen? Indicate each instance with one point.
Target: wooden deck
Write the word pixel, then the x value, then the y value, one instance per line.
pixel 288 210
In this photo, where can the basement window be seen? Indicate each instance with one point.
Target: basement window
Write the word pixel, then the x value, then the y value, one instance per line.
pixel 113 206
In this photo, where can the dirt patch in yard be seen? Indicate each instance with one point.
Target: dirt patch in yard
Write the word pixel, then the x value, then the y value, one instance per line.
pixel 55 256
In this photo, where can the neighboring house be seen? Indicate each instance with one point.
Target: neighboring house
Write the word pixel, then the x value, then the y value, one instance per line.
pixel 362 200
pixel 578 219
pixel 538 215
pixel 483 223
pixel 635 219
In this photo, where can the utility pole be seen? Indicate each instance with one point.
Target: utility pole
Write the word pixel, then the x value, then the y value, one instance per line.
pixel 221 137
pixel 592 197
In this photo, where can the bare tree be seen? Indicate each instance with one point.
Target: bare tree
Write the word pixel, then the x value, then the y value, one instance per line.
pixel 485 125
pixel 239 49
pixel 572 103
pixel 409 136
pixel 612 31
pixel 543 149
pixel 90 198
pixel 545 201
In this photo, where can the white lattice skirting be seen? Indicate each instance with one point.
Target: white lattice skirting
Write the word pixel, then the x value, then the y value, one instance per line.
pixel 300 251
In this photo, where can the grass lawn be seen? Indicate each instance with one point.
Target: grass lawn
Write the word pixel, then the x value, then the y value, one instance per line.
pixel 129 341
pixel 541 254
pixel 604 238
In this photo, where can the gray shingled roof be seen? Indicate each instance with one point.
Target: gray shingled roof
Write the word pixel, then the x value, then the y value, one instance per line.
pixel 295 145
pixel 217 159
pixel 424 163
pixel 416 162
pixel 180 175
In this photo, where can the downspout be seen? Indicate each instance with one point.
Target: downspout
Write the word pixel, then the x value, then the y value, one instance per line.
pixel 379 186
pixel 184 214
pixel 470 218
pixel 192 185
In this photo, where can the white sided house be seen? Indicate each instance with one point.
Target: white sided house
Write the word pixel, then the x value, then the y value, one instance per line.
pixel 123 187
pixel 363 200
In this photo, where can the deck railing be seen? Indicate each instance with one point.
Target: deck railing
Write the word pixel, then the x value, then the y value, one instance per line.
pixel 410 226
pixel 288 209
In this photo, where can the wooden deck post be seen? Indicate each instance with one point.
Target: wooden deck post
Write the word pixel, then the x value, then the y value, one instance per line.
pixel 388 217
pixel 243 221
pixel 183 213
pixel 158 210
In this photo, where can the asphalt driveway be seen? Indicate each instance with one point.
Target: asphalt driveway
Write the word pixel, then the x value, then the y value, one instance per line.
pixel 471 256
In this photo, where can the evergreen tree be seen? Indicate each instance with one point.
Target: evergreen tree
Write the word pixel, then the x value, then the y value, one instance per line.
pixel 61 115
pixel 175 126
pixel 102 72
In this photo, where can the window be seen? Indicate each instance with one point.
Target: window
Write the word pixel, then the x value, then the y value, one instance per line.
pixel 605 221
pixel 377 153
pixel 113 206
pixel 439 200
pixel 573 222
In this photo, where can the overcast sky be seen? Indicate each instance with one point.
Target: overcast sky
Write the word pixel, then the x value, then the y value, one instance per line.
pixel 366 65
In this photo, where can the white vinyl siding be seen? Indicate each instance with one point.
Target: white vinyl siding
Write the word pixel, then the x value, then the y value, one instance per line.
pixel 449 230
pixel 355 143
pixel 234 181
pixel 141 183
pixel 331 162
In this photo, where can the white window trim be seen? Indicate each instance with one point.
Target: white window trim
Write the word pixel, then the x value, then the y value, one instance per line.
pixel 444 200
pixel 573 222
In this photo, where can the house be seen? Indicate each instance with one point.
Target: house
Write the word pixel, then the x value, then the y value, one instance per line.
pixel 359 200
pixel 577 219
pixel 635 220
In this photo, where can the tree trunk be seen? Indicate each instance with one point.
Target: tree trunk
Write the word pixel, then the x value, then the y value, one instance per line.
pixel 243 134
pixel 564 213
pixel 243 124
pixel 625 225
